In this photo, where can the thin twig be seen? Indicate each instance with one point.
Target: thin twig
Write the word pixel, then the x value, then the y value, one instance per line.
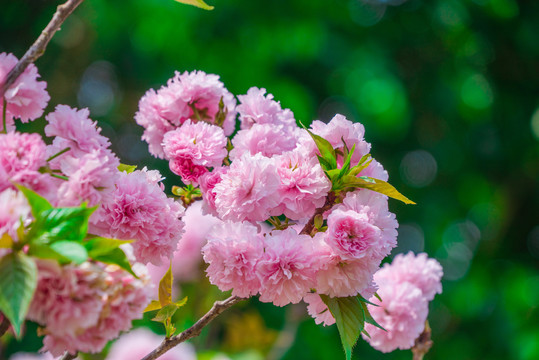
pixel 423 343
pixel 68 356
pixel 309 227
pixel 195 330
pixel 38 47
pixel 4 325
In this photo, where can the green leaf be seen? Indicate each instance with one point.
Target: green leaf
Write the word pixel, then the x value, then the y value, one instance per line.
pixel 349 317
pixel 346 165
pixel 181 302
pixel 375 185
pixel 116 257
pixel 99 245
pixel 72 250
pixel 44 251
pixel 165 288
pixel 152 306
pixel 368 317
pixel 165 313
pixel 18 283
pixel 38 204
pixel 127 168
pixel 326 150
pixel 6 242
pixel 60 224
pixel 198 3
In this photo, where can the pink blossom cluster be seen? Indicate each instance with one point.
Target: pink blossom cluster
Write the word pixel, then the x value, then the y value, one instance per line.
pixel 191 96
pixel 138 209
pixel 26 97
pixel 83 307
pixel 406 287
pixel 274 171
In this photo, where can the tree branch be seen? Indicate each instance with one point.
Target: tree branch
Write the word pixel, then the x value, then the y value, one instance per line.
pixel 195 330
pixel 423 343
pixel 4 325
pixel 68 356
pixel 38 47
pixel 309 227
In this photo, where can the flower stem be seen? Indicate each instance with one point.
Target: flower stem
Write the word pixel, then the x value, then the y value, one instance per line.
pixel 423 343
pixel 58 154
pixel 4 115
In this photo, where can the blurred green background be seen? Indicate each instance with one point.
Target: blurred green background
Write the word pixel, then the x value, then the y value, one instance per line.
pixel 448 92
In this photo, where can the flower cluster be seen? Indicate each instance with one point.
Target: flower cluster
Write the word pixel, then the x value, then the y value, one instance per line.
pixel 274 174
pixel 80 304
pixel 406 287
pixel 83 307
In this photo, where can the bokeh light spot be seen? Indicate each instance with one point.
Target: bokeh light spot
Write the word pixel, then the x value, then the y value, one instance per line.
pixel 476 92
pixel 418 168
pixel 535 124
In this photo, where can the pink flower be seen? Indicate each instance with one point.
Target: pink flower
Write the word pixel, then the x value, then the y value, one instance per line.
pixel 140 342
pixel 318 310
pixel 351 235
pixel 21 157
pixel 202 143
pixel 339 129
pixel 287 269
pixel 265 139
pixel 151 106
pixel 139 209
pixel 406 287
pixel 74 129
pixel 194 96
pixel 14 209
pixel 402 313
pixel 83 307
pixel 372 207
pixel 188 257
pixel 207 182
pixel 304 186
pixel 248 191
pixel 418 269
pixel 232 252
pixel 341 278
pixel 187 170
pixel 26 97
pixel 91 177
pixel 255 108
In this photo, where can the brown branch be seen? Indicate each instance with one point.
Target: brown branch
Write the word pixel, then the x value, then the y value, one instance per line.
pixel 195 330
pixel 309 227
pixel 423 343
pixel 68 356
pixel 4 325
pixel 38 47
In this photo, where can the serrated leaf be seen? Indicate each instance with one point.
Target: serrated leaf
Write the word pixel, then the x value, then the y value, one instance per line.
pixel 152 306
pixel 324 164
pixel 60 224
pixel 127 168
pixel 165 313
pixel 198 3
pixel 165 288
pixel 349 317
pixel 72 250
pixel 17 286
pixel 368 317
pixel 375 185
pixel 116 257
pixel 6 242
pixel 326 150
pixel 37 203
pixel 99 245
